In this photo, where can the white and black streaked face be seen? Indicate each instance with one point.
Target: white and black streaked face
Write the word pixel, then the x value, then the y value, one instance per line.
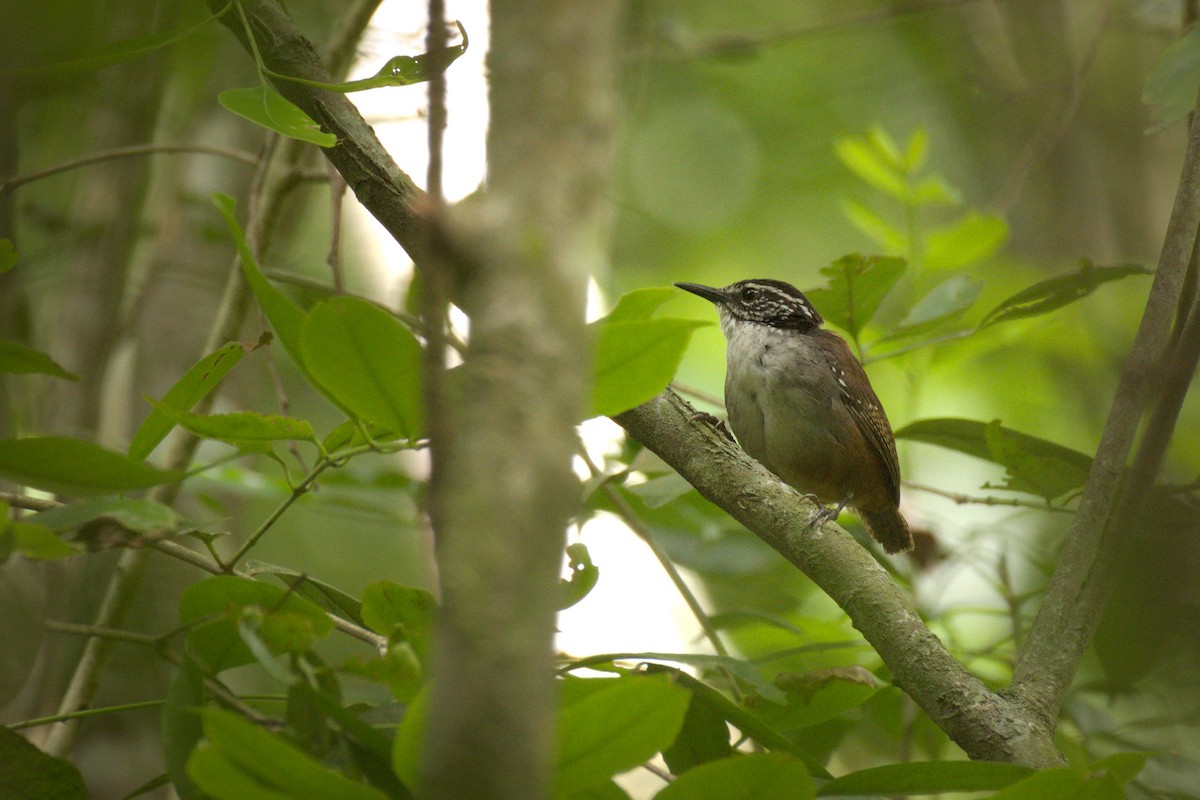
pixel 762 301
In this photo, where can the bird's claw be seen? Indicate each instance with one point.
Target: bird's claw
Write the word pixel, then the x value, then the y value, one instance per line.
pixel 716 422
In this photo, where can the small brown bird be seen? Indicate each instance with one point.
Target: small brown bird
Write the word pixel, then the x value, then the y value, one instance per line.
pixel 800 403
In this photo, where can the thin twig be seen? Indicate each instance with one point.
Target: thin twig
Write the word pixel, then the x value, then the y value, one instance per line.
pixel 964 499
pixel 28 503
pixel 8 184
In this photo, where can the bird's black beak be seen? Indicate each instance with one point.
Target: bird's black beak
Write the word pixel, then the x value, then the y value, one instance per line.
pixel 710 293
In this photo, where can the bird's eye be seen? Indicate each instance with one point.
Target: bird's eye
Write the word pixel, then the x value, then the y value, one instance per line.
pixel 749 293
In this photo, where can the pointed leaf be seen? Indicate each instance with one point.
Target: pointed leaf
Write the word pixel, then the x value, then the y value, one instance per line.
pixel 30 774
pixel 584 576
pixel 200 379
pixel 367 361
pixel 1054 293
pixel 704 737
pixel 640 304
pixel 871 166
pixel 8 255
pixel 615 727
pixel 1174 81
pixel 1048 469
pixel 926 777
pixel 75 467
pixel 634 361
pixel 887 235
pixel 744 777
pixel 328 597
pixel 945 303
pixel 401 611
pixel 857 286
pixel 247 427
pixel 139 516
pixel 264 106
pixel 17 358
pixel 972 239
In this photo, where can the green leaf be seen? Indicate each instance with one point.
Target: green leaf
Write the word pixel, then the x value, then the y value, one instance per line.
pixel 264 106
pixel 137 516
pixel 872 166
pixel 252 759
pixel 30 774
pixel 1174 81
pixel 1047 784
pixel 885 233
pixel 640 304
pixel 180 728
pixel 17 358
pixel 1054 293
pixel 945 303
pixel 407 747
pixel 742 670
pixel 972 239
pixel 1124 767
pixel 218 603
pixel 744 777
pixel 200 379
pixel 857 286
pixel 584 576
pixel 399 611
pixel 114 53
pixel 1035 465
pixel 634 361
pixel 247 427
pixel 819 696
pixel 615 727
pixel 917 148
pixel 33 541
pixel 75 467
pixel 367 361
pixel 8 255
pixel 704 737
pixel 328 597
pixel 285 316
pixel 926 777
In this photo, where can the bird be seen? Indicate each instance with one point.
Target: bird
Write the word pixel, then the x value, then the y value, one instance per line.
pixel 801 404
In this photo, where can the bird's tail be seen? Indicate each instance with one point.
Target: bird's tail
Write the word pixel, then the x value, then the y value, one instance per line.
pixel 888 528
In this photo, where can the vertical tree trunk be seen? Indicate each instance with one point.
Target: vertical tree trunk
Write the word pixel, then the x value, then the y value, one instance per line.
pixel 506 490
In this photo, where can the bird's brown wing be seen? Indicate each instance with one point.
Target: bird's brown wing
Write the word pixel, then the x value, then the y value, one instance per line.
pixel 864 406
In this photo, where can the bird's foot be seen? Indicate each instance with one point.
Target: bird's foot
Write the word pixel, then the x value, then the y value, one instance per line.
pixel 716 422
pixel 827 513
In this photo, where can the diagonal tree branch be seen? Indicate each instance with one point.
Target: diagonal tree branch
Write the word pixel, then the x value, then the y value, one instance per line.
pixel 1083 578
pixel 985 724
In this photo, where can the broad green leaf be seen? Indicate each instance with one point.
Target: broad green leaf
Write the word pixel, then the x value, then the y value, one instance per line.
pixel 584 575
pixel 1124 767
pixel 640 304
pixel 140 517
pixel 30 774
pixel 1047 784
pixel 662 490
pixel 1174 81
pixel 264 106
pixel 220 777
pixel 1054 293
pixel 75 467
pixel 180 727
pixel 408 745
pixel 17 358
pixel 367 361
pixel 857 286
pixel 330 598
pixel 616 727
pixel 398 669
pixel 704 737
pixel 926 777
pixel 33 541
pixel 634 361
pixel 742 670
pixel 8 255
pixel 269 762
pixel 885 233
pixel 1036 465
pixel 114 53
pixel 401 611
pixel 744 777
pixel 199 380
pixel 945 303
pixel 972 239
pixel 819 696
pixel 285 316
pixel 247 427
pixel 871 166
pixel 218 603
